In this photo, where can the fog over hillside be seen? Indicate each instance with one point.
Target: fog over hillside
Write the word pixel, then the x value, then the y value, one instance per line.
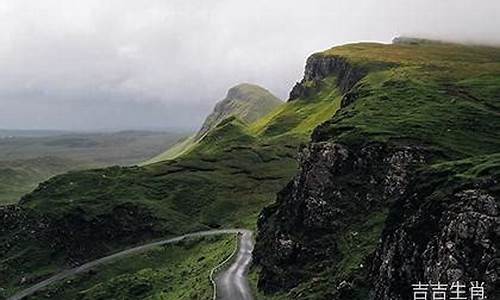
pixel 142 64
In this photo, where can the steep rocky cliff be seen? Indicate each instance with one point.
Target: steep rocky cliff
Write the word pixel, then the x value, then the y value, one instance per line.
pixel 319 67
pixel 337 191
pixel 443 230
pixel 400 186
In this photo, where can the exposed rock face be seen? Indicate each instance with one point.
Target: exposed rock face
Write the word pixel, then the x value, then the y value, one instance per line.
pixel 366 219
pixel 440 238
pixel 437 230
pixel 319 67
pixel 337 187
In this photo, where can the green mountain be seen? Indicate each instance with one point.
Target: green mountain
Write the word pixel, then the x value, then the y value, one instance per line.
pixel 385 161
pixel 247 102
pixel 227 177
pixel 400 186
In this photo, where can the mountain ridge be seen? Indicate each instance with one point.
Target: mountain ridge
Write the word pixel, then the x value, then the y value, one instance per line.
pixel 248 102
pixel 245 101
pixel 236 171
pixel 380 141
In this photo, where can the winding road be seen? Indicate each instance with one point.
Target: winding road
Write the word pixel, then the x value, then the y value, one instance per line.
pixel 230 282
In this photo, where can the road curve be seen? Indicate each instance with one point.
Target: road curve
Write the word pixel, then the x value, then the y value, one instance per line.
pixel 232 284
pixel 85 267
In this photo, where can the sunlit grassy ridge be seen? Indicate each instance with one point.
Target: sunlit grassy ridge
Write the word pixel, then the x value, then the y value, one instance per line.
pixel 300 117
pixel 444 95
pixel 246 102
pixel 176 150
pixel 454 56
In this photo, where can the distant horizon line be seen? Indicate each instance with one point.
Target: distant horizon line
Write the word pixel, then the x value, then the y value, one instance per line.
pixel 117 129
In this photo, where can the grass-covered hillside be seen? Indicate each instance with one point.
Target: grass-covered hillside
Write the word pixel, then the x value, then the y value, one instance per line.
pixel 247 102
pixel 18 177
pixel 400 185
pixel 169 272
pixel 377 114
pixel 447 96
pixel 224 180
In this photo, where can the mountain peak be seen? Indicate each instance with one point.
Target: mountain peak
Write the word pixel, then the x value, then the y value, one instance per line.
pixel 248 91
pixel 244 102
pixel 248 102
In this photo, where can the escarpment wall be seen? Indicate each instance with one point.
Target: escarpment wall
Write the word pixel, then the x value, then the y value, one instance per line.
pixel 319 67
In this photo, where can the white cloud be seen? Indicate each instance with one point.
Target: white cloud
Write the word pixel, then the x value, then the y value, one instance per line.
pixel 184 54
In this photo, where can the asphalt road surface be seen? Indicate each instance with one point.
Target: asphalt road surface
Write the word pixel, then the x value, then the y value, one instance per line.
pixel 246 243
pixel 232 284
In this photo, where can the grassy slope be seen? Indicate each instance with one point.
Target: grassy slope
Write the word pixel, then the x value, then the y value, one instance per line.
pixel 176 150
pixel 17 177
pixel 300 117
pixel 447 96
pixel 237 169
pixel 443 96
pixel 245 101
pixel 29 159
pixel 231 174
pixel 177 271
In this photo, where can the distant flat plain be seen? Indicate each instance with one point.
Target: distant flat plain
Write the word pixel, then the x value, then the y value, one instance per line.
pixel 28 157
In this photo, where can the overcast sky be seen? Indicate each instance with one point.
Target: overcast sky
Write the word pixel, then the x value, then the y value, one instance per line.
pixel 124 64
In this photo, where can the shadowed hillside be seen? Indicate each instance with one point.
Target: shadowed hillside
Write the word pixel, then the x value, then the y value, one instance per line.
pixel 225 179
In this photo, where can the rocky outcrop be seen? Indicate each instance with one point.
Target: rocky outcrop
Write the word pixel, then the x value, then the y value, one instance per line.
pixel 440 232
pixel 336 188
pixel 440 228
pixel 383 199
pixel 319 67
